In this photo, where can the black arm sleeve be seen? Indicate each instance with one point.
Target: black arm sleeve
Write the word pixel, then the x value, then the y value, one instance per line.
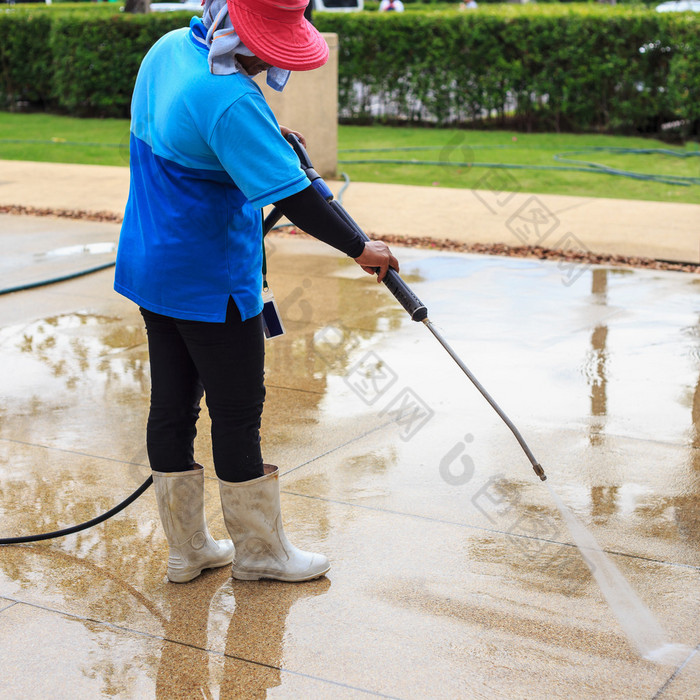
pixel 311 213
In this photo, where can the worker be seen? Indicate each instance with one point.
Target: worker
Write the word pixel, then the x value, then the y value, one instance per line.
pixel 206 154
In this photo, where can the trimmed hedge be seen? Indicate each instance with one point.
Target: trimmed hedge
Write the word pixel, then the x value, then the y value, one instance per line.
pixel 99 60
pixel 553 67
pixel 80 61
pixel 25 75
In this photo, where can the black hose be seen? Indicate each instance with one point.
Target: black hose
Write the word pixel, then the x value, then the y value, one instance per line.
pixel 53 280
pixel 83 526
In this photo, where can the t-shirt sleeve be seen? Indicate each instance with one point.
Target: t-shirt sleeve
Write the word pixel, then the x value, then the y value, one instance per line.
pixel 247 141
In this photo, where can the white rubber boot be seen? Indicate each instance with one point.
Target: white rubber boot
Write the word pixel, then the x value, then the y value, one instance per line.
pixel 253 519
pixel 180 497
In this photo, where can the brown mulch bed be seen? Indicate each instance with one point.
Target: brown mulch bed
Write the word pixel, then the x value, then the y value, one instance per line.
pixel 78 214
pixel 537 252
pixel 423 242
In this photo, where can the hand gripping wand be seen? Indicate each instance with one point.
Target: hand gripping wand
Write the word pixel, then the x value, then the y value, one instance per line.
pixel 401 291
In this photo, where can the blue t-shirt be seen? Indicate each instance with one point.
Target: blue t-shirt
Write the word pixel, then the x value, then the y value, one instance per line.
pixel 206 155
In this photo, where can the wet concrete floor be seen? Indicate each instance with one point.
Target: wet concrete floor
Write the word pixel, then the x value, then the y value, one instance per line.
pixel 453 574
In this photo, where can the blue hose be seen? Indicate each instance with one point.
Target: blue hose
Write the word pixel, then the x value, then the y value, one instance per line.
pixel 581 166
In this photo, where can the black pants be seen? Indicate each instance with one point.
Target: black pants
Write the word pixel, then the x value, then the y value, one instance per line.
pixel 225 361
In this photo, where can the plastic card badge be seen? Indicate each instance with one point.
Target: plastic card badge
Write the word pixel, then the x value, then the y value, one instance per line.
pixel 272 321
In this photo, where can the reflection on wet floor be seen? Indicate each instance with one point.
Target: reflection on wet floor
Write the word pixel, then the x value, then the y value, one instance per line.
pixel 453 573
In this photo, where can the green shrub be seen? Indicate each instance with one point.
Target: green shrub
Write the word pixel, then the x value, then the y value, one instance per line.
pixel 76 59
pixel 553 67
pixel 684 77
pixel 25 75
pixel 549 67
pixel 100 59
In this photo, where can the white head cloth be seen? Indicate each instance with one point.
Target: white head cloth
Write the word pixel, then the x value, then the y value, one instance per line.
pixel 223 43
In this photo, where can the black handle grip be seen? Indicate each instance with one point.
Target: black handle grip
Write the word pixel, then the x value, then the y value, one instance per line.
pixel 415 308
pixel 405 296
pixel 305 162
pixel 299 149
pixel 271 219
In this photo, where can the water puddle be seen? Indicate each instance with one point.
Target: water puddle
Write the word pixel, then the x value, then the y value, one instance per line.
pixel 78 250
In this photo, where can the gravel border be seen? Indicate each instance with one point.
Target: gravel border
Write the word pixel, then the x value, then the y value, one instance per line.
pixel 423 242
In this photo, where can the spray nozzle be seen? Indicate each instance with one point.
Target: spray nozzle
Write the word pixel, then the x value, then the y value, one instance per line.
pixel 539 471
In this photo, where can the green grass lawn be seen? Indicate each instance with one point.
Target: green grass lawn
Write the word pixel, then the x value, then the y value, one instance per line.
pixel 55 139
pixel 476 157
pixel 473 156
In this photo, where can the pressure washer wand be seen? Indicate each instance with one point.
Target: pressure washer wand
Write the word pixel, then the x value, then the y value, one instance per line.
pixel 535 464
pixel 406 297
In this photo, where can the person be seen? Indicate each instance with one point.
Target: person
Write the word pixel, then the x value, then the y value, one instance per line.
pixel 206 154
pixel 391 6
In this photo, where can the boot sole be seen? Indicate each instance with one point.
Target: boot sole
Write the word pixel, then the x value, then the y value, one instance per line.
pixel 257 575
pixel 184 578
pixel 191 575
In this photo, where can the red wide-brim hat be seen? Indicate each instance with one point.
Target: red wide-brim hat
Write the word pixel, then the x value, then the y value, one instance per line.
pixel 277 32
